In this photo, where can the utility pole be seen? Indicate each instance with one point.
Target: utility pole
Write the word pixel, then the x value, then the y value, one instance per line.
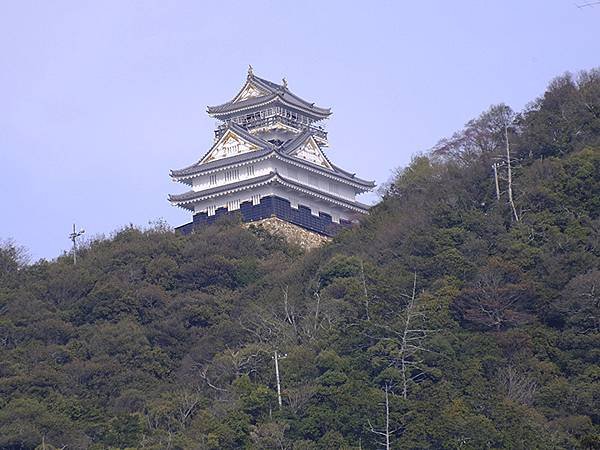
pixel 495 166
pixel 73 236
pixel 277 357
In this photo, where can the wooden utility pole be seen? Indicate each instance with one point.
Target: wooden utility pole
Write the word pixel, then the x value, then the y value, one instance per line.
pixel 277 357
pixel 73 236
pixel 495 167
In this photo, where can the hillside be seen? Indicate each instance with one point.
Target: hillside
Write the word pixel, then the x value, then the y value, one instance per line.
pixel 479 323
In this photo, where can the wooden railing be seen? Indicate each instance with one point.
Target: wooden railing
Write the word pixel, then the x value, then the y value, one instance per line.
pixel 268 121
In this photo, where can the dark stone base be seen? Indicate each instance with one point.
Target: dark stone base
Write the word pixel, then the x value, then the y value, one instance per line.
pixel 272 206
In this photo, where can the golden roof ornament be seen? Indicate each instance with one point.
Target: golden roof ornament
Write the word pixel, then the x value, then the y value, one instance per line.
pixel 284 82
pixel 250 71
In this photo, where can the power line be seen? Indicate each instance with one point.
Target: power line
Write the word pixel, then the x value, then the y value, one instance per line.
pixel 587 5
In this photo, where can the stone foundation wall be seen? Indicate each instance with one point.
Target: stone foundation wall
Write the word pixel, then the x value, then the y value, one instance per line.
pixel 293 234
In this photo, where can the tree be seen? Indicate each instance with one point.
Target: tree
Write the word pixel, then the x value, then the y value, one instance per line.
pixel 13 258
pixel 480 137
pixel 497 298
pixel 579 303
pixel 386 432
pixel 402 346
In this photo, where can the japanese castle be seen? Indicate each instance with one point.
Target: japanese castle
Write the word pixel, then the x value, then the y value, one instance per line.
pixel 267 161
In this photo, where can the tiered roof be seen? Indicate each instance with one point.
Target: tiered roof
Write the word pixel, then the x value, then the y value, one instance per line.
pixel 237 145
pixel 267 150
pixel 258 92
pixel 187 199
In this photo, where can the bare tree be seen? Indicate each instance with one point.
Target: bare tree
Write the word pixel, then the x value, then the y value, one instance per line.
pixel 486 135
pixel 13 257
pixel 298 397
pixel 413 336
pixel 287 322
pixel 365 291
pixel 403 346
pixel 517 385
pixel 187 400
pixel 229 365
pixel 270 435
pixel 493 299
pixel 290 315
pixel 386 433
pixel 511 200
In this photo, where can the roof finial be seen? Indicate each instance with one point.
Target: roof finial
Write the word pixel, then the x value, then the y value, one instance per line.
pixel 250 71
pixel 284 83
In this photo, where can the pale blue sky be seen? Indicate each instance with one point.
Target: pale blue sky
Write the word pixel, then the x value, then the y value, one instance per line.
pixel 98 100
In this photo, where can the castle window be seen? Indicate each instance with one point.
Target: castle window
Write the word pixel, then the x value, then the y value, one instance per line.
pixel 250 171
pixel 232 175
pixel 233 205
pixel 211 210
pixel 212 180
pixel 255 199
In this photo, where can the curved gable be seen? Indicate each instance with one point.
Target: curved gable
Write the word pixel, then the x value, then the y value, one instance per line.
pixel 230 144
pixel 310 151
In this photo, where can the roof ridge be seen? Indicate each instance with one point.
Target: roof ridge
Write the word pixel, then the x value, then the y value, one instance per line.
pixel 293 143
pixel 231 125
pixel 268 84
pixel 273 90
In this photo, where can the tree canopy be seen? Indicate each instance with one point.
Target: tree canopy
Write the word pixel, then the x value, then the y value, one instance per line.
pixel 443 321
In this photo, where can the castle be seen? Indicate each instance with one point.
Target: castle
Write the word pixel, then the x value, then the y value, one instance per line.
pixel 267 160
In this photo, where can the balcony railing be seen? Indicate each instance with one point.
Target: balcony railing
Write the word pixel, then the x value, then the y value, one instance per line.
pixel 268 121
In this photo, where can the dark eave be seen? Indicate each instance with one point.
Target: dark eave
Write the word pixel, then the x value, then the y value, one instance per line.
pixel 242 104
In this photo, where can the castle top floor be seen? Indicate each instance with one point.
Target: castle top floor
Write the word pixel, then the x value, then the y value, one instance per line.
pixel 260 104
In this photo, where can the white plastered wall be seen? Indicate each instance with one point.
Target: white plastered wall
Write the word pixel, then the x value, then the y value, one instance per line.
pixel 251 170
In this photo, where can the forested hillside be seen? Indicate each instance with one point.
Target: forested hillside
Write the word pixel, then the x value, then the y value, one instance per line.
pixel 450 319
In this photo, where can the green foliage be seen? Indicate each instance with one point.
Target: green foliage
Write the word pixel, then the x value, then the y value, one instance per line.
pixel 156 340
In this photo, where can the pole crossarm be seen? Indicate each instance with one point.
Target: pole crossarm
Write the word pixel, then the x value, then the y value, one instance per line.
pixel 73 237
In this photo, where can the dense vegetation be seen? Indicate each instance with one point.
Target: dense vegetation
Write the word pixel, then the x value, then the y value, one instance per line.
pixel 478 322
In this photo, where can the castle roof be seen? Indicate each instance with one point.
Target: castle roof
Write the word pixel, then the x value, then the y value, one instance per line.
pixel 266 150
pixel 258 92
pixel 187 199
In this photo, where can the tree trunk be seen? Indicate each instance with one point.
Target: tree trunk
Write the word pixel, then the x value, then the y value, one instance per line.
pixel 509 175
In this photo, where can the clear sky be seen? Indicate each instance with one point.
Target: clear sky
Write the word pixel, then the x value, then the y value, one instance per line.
pixel 98 100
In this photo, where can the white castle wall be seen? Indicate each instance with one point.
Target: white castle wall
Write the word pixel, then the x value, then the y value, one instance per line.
pixel 242 172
